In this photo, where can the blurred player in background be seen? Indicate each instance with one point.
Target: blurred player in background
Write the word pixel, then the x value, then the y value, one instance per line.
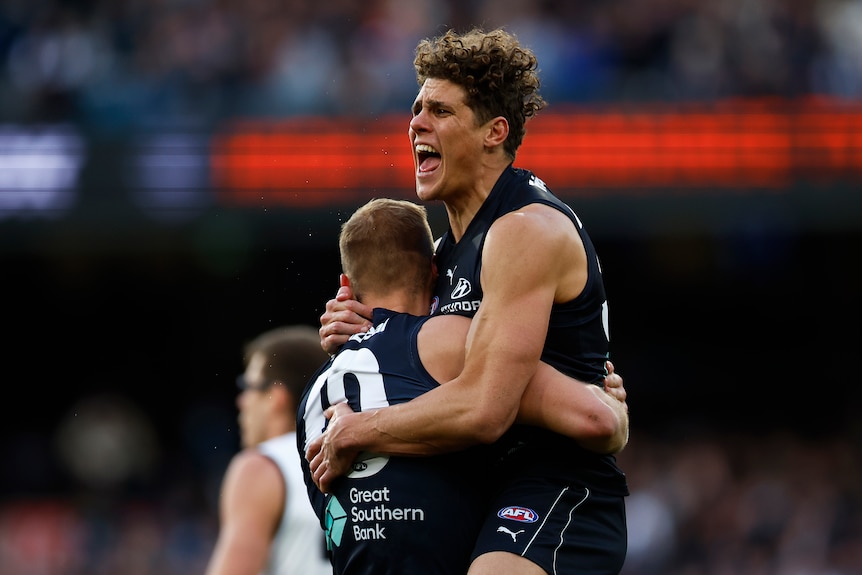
pixel 267 525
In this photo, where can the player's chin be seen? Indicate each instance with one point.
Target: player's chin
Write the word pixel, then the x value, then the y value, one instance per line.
pixel 425 188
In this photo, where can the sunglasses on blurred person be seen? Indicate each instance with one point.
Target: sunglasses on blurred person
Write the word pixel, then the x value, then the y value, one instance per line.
pixel 243 384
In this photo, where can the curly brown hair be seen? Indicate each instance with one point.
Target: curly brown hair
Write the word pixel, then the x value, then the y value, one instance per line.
pixel 499 75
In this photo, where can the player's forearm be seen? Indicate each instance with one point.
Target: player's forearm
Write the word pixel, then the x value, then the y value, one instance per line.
pixel 442 420
pixel 582 411
pixel 612 416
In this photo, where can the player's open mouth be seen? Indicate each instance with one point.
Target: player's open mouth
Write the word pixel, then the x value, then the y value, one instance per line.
pixel 428 158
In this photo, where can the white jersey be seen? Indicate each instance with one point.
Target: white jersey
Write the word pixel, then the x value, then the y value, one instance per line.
pixel 299 544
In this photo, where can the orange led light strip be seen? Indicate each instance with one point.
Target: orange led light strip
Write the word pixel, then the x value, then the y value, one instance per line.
pixel 313 162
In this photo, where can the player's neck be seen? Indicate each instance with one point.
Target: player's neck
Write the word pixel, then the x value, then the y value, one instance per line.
pixel 462 205
pixel 400 301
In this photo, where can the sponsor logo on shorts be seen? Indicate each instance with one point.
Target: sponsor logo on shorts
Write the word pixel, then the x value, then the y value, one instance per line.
pixel 512 534
pixel 520 514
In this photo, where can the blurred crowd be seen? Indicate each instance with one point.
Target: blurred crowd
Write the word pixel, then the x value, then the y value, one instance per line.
pixel 121 63
pixel 742 504
pixel 704 504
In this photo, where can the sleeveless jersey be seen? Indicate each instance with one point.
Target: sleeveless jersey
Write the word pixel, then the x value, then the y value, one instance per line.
pixel 577 342
pixel 298 545
pixel 390 515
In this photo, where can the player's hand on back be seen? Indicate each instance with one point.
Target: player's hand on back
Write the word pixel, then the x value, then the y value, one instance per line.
pixel 344 317
pixel 327 457
pixel 614 384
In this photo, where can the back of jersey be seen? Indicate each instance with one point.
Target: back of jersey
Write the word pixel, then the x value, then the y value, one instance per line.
pixel 391 515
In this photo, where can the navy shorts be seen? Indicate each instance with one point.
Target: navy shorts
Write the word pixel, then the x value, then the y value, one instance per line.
pixel 563 528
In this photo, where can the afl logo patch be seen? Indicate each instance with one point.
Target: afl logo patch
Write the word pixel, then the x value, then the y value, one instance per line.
pixel 520 514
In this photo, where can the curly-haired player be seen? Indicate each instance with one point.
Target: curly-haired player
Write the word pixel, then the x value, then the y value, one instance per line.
pixel 520 252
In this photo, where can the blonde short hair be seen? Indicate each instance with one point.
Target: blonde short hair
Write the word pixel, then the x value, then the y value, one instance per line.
pixel 387 244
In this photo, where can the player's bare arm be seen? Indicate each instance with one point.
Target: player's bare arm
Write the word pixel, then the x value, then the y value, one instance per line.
pixel 594 417
pixel 503 350
pixel 520 280
pixel 585 412
pixel 250 507
pixel 552 400
pixel 597 418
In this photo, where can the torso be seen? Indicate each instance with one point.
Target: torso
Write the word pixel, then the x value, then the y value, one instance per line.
pixel 577 340
pixel 392 514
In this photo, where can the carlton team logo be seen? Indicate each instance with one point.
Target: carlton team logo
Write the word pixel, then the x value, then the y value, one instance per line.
pixel 520 514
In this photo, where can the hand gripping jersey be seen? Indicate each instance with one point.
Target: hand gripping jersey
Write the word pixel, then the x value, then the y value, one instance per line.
pixel 390 515
pixel 577 340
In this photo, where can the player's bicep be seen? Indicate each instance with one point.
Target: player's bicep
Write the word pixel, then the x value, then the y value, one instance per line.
pixel 520 276
pixel 509 329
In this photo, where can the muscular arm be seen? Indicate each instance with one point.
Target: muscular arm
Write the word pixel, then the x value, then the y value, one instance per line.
pixel 521 281
pixel 587 413
pixel 596 417
pixel 250 507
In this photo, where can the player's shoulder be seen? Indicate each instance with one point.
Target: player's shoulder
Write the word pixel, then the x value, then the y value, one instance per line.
pixel 440 325
pixel 530 226
pixel 252 484
pixel 442 358
pixel 251 467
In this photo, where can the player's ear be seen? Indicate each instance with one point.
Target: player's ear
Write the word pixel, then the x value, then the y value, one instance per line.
pixel 498 131
pixel 435 273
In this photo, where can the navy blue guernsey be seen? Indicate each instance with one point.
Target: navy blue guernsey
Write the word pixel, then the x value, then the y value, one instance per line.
pixel 390 515
pixel 576 342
